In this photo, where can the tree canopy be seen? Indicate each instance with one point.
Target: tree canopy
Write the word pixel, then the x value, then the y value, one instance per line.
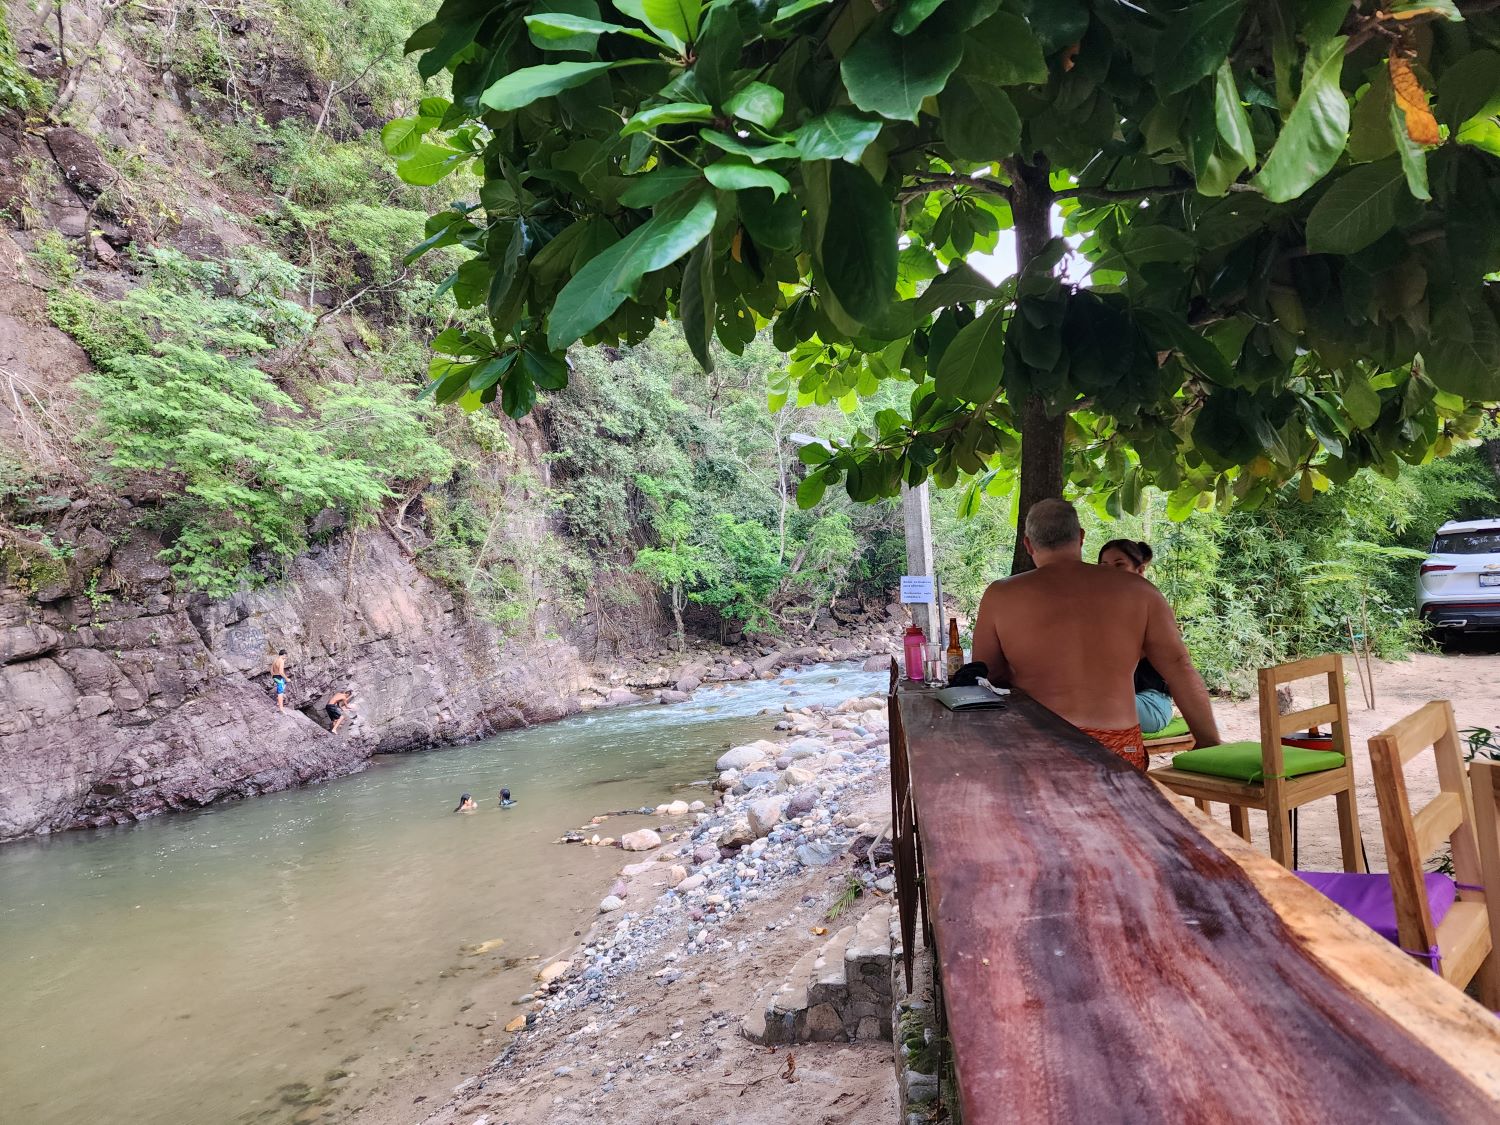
pixel 1279 223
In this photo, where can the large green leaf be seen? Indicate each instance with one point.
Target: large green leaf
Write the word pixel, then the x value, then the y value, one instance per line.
pixel 1463 355
pixel 858 249
pixel 758 153
pixel 651 188
pixel 603 284
pixel 1004 52
pixel 890 74
pixel 839 134
pixel 563 31
pixel 737 175
pixel 696 305
pixel 979 121
pixel 1315 133
pixel 1357 209
pixel 522 87
pixel 973 363
pixel 773 223
pixel 428 163
pixel 401 136
pixel 961 283
pixel 758 104
pixel 670 114
pixel 1230 116
pixel 912 13
pixel 680 17
pixel 1195 41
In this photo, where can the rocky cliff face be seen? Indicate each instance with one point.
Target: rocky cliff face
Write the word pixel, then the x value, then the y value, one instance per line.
pixel 155 700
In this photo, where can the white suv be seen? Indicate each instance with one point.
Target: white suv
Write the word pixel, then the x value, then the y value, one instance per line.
pixel 1458 589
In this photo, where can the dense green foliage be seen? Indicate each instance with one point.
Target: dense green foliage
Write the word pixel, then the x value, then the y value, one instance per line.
pixel 1253 588
pixel 693 479
pixel 18 90
pixel 240 470
pixel 1287 210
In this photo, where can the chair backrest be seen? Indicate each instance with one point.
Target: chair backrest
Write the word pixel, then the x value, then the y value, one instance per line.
pixel 1484 784
pixel 1274 725
pixel 1411 838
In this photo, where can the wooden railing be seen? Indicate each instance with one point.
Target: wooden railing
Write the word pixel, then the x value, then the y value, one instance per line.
pixel 1106 954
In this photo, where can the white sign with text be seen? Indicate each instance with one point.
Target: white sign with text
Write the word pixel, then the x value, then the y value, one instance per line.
pixel 916 589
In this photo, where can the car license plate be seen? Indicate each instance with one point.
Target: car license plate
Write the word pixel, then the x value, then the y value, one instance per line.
pixel 1489 579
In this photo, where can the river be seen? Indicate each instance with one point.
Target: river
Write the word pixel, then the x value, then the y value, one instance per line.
pixel 344 950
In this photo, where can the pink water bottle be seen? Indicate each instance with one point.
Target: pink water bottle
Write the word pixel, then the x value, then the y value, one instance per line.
pixel 912 643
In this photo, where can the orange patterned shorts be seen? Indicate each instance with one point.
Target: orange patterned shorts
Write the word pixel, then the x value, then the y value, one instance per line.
pixel 1128 744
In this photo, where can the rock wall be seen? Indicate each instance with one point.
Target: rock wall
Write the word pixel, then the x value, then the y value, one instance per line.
pixel 153 700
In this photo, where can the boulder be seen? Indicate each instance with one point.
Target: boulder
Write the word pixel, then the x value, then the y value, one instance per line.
pixel 618 697
pixel 697 806
pixel 795 777
pixel 670 696
pixel 641 840
pixel 819 853
pixel 756 780
pixel 689 684
pixel 877 664
pixel 610 904
pixel 747 755
pixel 736 835
pixel 802 802
pixel 676 808
pixel 549 973
pixel 767 663
pixel 803 748
pixel 705 853
pixel 765 814
pixel 691 884
pixel 676 874
pixel 631 870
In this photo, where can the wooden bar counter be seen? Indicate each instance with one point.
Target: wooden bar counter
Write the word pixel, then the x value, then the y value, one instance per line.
pixel 1108 955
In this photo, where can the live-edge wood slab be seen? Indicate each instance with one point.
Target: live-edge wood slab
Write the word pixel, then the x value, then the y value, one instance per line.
pixel 1106 956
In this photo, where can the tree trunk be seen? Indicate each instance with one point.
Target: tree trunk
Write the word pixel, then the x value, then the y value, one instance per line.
pixel 1041 436
pixel 677 617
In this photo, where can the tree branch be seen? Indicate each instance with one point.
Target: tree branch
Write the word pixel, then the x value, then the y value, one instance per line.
pixel 1122 195
pixel 925 185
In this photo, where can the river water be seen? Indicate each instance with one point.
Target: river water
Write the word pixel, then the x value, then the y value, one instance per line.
pixel 323 954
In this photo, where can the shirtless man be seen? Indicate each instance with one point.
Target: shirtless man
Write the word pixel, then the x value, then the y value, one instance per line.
pixel 338 702
pixel 1070 634
pixel 278 679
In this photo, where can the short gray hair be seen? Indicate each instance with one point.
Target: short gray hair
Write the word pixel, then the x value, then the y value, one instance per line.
pixel 1051 524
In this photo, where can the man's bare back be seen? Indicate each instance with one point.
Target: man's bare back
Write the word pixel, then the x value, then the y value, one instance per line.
pixel 1070 635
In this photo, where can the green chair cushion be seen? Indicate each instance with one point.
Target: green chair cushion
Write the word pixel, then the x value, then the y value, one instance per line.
pixel 1177 726
pixel 1242 761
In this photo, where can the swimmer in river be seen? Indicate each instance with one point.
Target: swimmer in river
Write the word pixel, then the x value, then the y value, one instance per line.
pixel 278 679
pixel 466 804
pixel 505 799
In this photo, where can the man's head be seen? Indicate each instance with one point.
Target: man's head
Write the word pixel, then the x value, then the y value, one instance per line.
pixel 281 653
pixel 1053 532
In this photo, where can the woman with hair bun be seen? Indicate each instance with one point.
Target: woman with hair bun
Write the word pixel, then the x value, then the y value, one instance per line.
pixel 1153 705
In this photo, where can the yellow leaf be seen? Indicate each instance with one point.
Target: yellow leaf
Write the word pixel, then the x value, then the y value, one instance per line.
pixel 736 243
pixel 1411 99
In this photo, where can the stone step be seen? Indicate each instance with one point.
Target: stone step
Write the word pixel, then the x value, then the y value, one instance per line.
pixel 830 977
pixel 786 1014
pixel 835 992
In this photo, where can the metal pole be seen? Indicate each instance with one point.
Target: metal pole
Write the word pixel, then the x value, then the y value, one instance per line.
pixel 917 516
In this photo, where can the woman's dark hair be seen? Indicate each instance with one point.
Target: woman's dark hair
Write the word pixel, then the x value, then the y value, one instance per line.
pixel 505 794
pixel 1136 550
pixel 461 801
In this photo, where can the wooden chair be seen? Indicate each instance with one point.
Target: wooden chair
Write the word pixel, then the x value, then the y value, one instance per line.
pixel 1276 779
pixel 1174 739
pixel 1448 922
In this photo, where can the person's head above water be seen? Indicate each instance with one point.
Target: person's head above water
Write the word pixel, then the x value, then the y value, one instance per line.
pixel 1053 532
pixel 1133 555
pixel 463 800
pixel 505 794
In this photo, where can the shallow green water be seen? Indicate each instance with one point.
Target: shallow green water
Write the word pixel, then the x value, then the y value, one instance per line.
pixel 302 956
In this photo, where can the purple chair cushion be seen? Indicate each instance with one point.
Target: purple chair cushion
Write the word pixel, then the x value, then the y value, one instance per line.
pixel 1368 897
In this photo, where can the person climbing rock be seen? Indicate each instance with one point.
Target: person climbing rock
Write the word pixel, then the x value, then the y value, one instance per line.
pixel 278 679
pixel 338 703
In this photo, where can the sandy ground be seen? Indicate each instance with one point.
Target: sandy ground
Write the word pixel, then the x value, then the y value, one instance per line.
pixel 1468 676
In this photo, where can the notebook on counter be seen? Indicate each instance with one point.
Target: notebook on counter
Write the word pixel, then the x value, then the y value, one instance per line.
pixel 973 698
